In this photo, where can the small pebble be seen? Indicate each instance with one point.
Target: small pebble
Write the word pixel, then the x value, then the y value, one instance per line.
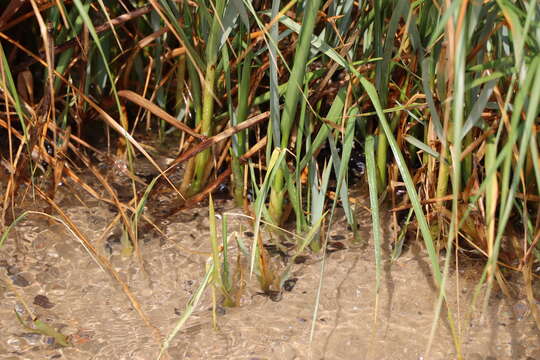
pixel 32 338
pixel 19 280
pixel 43 301
pixel 289 284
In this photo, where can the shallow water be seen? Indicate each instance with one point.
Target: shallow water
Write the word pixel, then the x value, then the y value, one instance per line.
pixel 63 285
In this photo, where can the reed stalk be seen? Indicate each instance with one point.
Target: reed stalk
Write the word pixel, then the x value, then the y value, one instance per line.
pixel 292 97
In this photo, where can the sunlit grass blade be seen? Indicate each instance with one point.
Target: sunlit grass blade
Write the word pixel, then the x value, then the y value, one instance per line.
pixel 422 146
pixel 531 114
pixel 188 311
pixel 409 184
pixel 318 197
pixel 292 97
pixel 278 156
pixel 371 169
pixel 343 169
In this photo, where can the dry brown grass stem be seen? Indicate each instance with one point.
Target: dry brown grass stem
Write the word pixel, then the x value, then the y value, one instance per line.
pixel 102 262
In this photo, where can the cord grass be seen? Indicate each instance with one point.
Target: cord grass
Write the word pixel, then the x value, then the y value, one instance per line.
pixel 278 100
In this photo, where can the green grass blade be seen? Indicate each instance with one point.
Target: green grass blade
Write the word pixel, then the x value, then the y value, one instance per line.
pixel 409 183
pixel 371 168
pixel 190 307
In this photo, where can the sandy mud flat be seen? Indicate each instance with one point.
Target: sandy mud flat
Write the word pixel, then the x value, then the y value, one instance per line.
pixel 61 283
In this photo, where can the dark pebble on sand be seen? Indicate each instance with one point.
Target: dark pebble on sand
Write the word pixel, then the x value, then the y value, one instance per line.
pixel 289 284
pixel 19 280
pixel 43 301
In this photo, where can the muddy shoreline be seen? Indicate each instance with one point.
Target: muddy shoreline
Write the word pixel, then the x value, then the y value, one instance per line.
pixel 64 286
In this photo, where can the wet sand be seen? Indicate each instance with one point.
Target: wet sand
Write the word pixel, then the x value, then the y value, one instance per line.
pixel 65 287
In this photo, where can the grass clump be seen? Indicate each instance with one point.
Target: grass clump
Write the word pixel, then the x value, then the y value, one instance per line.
pixel 276 99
